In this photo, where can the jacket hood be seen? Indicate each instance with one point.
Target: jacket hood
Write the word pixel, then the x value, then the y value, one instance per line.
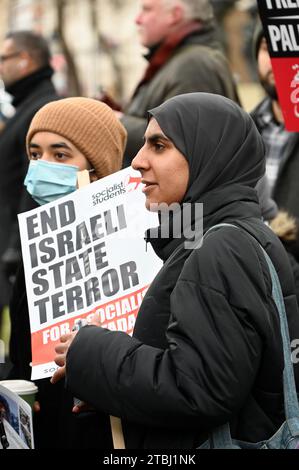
pixel 285 226
pixel 268 205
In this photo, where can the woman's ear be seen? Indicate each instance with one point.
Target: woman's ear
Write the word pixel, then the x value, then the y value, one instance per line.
pixel 93 176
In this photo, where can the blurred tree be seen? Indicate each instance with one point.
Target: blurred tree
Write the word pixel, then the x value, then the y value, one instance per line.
pixel 222 7
pixel 117 3
pixel 73 83
pixel 107 45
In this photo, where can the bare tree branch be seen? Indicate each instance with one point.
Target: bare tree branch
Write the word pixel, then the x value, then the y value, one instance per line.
pixel 74 85
pixel 106 45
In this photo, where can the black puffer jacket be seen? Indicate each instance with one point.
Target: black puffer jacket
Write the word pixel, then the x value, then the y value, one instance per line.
pixel 206 346
pixel 30 94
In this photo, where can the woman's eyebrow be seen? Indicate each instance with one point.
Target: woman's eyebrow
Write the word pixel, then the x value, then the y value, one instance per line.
pixel 60 145
pixel 152 139
pixel 55 146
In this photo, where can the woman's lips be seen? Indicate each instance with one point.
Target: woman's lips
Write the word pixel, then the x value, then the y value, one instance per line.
pixel 147 185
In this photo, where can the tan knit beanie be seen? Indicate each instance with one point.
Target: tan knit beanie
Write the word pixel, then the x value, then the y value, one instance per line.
pixel 90 125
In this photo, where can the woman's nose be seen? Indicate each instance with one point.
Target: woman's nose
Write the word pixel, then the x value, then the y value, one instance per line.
pixel 140 162
pixel 46 157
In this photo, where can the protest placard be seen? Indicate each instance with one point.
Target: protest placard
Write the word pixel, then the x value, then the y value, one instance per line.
pixel 86 253
pixel 281 26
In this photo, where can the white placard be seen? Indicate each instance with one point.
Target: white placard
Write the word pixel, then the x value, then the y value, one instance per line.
pixel 86 253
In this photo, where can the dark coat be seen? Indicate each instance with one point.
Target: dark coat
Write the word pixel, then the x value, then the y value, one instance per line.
pixel 286 189
pixel 196 64
pixel 30 94
pixel 206 347
pixel 205 341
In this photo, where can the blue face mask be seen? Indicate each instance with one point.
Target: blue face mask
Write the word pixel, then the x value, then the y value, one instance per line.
pixel 47 181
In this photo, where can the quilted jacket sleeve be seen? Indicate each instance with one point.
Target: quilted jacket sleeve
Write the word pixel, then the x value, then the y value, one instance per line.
pixel 219 310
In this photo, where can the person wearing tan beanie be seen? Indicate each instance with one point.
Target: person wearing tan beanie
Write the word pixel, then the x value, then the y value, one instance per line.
pixel 64 137
pixel 81 133
pixel 90 125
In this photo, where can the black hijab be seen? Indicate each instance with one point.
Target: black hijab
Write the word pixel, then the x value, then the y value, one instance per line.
pixel 224 150
pixel 219 140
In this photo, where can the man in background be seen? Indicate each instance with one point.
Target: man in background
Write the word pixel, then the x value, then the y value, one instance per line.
pixel 282 146
pixel 183 57
pixel 26 73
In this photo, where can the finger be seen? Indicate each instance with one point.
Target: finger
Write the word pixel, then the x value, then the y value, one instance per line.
pixel 36 407
pixel 60 360
pixel 77 409
pixel 65 338
pixel 61 348
pixel 58 375
pixel 82 406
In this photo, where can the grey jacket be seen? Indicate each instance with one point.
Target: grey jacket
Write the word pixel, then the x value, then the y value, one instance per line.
pixel 196 65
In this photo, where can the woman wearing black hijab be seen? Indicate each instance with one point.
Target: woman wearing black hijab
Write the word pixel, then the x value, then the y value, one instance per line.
pixel 206 347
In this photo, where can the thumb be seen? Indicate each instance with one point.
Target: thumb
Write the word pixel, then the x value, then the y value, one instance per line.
pixel 81 406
